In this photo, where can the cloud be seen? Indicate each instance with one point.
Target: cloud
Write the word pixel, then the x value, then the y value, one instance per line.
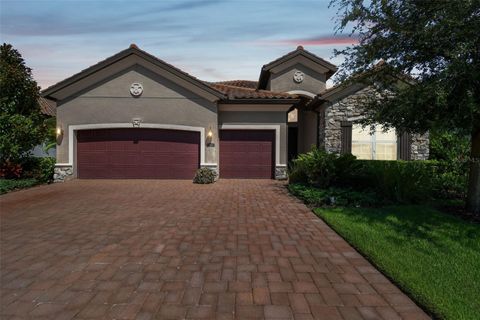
pixel 32 25
pixel 328 40
pixel 83 19
pixel 193 4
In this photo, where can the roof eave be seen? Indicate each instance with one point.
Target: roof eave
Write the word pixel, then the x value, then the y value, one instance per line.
pixel 262 101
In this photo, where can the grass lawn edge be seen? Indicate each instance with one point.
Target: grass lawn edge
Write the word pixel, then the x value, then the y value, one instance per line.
pixel 422 305
pixel 18 185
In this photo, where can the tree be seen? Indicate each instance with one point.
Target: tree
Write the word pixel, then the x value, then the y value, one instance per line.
pixel 21 123
pixel 435 47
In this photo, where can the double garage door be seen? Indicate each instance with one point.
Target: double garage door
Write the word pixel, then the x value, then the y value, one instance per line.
pixel 170 154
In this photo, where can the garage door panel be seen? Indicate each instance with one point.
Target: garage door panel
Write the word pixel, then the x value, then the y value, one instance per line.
pixel 247 153
pixel 137 153
pixel 122 158
pixel 92 157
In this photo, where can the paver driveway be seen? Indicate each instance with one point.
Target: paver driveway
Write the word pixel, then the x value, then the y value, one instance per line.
pixel 171 249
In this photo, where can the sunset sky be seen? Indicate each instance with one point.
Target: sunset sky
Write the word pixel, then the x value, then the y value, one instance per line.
pixel 210 39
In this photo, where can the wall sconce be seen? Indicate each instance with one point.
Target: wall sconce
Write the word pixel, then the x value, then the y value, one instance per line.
pixel 210 138
pixel 59 131
pixel 59 134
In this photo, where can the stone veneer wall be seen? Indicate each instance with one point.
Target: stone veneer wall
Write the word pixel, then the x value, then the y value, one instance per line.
pixel 333 115
pixel 281 173
pixel 347 109
pixel 420 147
pixel 62 173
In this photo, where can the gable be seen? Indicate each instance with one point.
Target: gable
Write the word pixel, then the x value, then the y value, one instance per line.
pixel 300 56
pixel 155 86
pixel 313 83
pixel 123 61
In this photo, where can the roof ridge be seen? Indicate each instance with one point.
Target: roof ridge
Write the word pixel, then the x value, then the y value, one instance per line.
pixel 236 92
pixel 254 89
pixel 239 83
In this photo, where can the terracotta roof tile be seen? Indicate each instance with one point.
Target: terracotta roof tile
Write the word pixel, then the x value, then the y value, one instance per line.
pixel 234 92
pixel 239 83
pixel 47 107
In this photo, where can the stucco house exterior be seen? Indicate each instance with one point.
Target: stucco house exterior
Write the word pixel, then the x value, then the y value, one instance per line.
pixel 133 115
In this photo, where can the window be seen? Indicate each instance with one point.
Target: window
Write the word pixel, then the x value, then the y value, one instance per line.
pixel 377 146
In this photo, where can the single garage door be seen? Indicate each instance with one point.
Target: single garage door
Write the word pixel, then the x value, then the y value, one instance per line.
pixel 247 154
pixel 137 153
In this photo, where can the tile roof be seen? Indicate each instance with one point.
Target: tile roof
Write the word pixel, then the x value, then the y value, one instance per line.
pixel 239 83
pixel 47 107
pixel 234 92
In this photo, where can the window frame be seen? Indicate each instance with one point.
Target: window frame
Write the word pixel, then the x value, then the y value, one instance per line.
pixel 372 141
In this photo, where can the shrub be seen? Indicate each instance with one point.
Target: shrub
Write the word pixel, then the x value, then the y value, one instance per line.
pixel 333 196
pixel 205 176
pixel 315 167
pixel 10 170
pixel 41 169
pixel 399 181
pixel 347 170
pixel 396 181
pixel 450 179
pixel 46 169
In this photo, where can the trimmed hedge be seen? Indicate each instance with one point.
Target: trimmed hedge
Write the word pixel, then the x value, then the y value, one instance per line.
pixel 397 181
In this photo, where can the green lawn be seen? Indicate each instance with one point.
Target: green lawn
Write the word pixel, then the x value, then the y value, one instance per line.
pixel 7 185
pixel 433 256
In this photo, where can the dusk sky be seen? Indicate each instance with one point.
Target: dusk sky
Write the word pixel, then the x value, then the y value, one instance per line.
pixel 211 39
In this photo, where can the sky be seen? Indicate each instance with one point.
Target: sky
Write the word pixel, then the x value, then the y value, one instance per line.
pixel 213 40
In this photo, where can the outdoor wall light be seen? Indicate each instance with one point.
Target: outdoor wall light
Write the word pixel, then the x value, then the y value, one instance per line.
pixel 59 134
pixel 210 138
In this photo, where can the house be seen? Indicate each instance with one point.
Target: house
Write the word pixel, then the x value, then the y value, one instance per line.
pixel 133 115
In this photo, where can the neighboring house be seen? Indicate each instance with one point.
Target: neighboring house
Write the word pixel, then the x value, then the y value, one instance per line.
pixel 48 109
pixel 136 116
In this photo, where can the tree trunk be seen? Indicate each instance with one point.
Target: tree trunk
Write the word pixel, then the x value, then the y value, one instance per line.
pixel 473 196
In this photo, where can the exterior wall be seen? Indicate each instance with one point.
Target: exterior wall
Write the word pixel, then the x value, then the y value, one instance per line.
pixel 313 82
pixel 334 113
pixel 347 109
pixel 307 130
pixel 251 119
pixel 110 102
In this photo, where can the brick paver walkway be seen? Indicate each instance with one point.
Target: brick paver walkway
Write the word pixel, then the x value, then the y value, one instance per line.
pixel 174 250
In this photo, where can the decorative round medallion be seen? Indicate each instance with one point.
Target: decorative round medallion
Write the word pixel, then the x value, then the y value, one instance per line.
pixel 136 89
pixel 298 76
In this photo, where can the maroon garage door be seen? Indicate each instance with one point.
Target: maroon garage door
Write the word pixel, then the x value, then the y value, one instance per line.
pixel 247 154
pixel 137 154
